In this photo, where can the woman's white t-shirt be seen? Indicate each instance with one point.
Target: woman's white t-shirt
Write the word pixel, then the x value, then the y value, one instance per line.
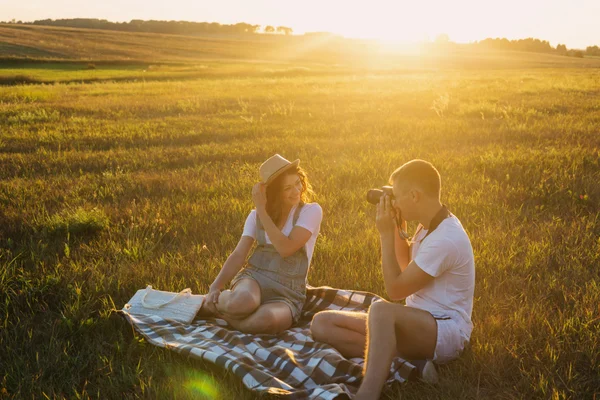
pixel 310 219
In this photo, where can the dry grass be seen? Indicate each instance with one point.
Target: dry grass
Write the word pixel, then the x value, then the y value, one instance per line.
pixel 106 187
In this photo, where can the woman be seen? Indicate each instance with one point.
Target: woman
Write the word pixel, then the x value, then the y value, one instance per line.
pixel 268 294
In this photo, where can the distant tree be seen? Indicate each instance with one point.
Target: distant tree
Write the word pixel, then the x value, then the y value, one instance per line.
pixel 592 51
pixel 242 27
pixel 285 30
pixel 561 49
pixel 575 53
pixel 269 29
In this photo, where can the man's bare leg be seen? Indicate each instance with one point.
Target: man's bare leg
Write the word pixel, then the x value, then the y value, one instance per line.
pixel 268 318
pixel 344 330
pixel 394 329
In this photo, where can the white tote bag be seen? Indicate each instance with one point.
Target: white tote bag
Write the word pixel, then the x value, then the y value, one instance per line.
pixel 180 307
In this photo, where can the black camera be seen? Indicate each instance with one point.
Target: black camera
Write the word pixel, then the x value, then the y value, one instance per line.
pixel 374 195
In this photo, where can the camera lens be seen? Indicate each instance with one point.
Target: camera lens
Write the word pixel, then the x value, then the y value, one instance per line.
pixel 374 195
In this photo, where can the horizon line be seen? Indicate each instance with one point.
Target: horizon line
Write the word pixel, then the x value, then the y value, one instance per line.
pixel 294 32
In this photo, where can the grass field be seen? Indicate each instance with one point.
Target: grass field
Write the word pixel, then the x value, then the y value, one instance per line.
pixel 108 186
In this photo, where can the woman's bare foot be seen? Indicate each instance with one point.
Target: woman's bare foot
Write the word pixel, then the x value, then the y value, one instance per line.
pixel 209 309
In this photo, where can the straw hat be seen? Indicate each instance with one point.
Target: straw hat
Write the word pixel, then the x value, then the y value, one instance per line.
pixel 275 166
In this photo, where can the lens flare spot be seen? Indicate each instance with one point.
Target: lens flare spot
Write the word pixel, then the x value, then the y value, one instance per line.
pixel 202 386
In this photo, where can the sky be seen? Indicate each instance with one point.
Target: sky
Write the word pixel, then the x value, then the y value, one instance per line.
pixel 571 22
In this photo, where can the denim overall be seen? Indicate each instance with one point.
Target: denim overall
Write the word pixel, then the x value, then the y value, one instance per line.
pixel 281 279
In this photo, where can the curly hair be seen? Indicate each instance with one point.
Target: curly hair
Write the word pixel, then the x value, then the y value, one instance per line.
pixel 274 203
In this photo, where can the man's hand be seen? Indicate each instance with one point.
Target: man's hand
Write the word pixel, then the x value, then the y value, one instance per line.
pixel 259 195
pixel 386 216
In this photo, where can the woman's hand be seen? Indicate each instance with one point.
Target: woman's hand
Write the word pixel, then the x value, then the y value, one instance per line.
pixel 213 295
pixel 386 216
pixel 259 195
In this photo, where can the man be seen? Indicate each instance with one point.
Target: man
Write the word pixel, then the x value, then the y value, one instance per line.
pixel 434 272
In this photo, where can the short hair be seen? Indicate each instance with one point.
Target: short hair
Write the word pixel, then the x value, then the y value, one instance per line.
pixel 421 174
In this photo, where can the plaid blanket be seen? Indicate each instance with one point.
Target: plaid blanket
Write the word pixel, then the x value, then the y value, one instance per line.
pixel 289 364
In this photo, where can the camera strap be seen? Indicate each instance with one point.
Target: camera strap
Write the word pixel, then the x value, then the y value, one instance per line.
pixel 401 231
pixel 435 221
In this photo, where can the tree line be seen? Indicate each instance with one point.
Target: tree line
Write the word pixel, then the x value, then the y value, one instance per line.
pixel 153 26
pixel 531 45
pixel 198 28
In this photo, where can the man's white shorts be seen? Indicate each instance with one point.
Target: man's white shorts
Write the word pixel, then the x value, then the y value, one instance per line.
pixel 450 340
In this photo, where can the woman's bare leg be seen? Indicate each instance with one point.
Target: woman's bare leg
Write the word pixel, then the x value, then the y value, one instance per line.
pixel 241 301
pixel 268 318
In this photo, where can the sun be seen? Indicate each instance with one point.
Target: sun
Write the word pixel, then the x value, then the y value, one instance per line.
pixel 384 21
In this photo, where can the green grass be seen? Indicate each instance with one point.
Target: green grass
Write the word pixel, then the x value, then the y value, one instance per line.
pixel 108 187
pixel 28 72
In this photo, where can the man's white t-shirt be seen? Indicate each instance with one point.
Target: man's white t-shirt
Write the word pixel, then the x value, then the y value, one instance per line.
pixel 447 255
pixel 310 218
